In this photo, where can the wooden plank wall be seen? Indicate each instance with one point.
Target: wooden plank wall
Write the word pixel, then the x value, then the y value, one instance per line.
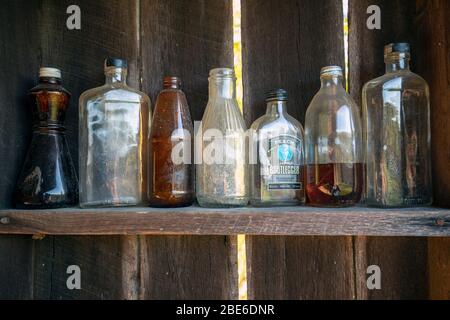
pixel 289 57
pixel 15 252
pixel 187 39
pixel 158 37
pixel 366 62
pixel 433 26
pixel 280 51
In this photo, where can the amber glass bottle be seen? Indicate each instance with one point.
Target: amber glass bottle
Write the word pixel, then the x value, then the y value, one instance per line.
pixel 48 179
pixel 172 183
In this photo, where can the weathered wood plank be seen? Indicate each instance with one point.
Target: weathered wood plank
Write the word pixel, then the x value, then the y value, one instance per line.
pixel 402 260
pixel 434 59
pixel 189 268
pixel 403 264
pixel 108 28
pixel 433 27
pixel 295 221
pixel 366 47
pixel 108 268
pixel 439 268
pixel 19 53
pixel 300 268
pixel 187 39
pixel 285 44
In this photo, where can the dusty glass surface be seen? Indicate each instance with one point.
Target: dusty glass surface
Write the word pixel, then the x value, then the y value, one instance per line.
pixel 113 134
pixel 396 113
pixel 222 176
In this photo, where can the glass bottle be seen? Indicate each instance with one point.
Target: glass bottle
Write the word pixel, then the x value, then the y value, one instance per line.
pixel 48 179
pixel 277 156
pixel 222 170
pixel 171 139
pixel 335 170
pixel 113 137
pixel 396 113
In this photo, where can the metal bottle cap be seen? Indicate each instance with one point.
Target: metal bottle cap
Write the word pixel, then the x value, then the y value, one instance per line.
pixel 47 72
pixel 116 63
pixel 400 47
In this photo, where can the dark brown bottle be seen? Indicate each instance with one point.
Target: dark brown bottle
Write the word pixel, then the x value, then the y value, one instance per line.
pixel 172 183
pixel 48 178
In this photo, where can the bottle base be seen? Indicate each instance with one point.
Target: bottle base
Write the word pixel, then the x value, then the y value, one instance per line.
pixel 222 203
pixel 260 204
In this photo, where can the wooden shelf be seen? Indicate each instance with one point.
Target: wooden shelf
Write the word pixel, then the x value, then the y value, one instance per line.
pixel 299 221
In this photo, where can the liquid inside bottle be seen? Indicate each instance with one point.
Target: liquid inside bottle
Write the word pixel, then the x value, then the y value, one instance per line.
pixel 396 113
pixel 114 126
pixel 171 149
pixel 335 169
pixel 277 172
pixel 48 179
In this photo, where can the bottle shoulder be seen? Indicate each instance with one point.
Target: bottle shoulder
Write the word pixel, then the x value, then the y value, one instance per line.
pixel 406 78
pixel 328 102
pixel 286 124
pixel 114 93
pixel 223 114
pixel 49 87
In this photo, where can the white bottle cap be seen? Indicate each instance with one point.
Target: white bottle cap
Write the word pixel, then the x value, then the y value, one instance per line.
pixel 49 73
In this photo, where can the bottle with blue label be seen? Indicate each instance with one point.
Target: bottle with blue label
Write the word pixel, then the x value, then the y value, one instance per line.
pixel 277 156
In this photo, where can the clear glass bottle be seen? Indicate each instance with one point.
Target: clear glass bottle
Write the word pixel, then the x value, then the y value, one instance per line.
pixel 277 156
pixel 334 156
pixel 48 179
pixel 172 183
pixel 221 149
pixel 396 113
pixel 113 138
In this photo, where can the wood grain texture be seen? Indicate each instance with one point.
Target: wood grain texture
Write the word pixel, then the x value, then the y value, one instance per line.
pixel 186 38
pixel 314 268
pixel 403 261
pixel 285 44
pixel 433 28
pixel 403 264
pixel 19 55
pixel 108 29
pixel 295 221
pixel 193 268
pixel 366 47
pixel 434 64
pixel 439 268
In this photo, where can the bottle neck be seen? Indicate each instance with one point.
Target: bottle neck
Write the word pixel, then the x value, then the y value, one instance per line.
pixel 397 64
pixel 116 76
pixel 172 83
pixel 331 81
pixel 222 88
pixel 276 108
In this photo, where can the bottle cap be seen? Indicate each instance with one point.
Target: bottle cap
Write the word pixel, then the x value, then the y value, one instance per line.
pixel 277 95
pixel 46 72
pixel 332 70
pixel 400 47
pixel 116 63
